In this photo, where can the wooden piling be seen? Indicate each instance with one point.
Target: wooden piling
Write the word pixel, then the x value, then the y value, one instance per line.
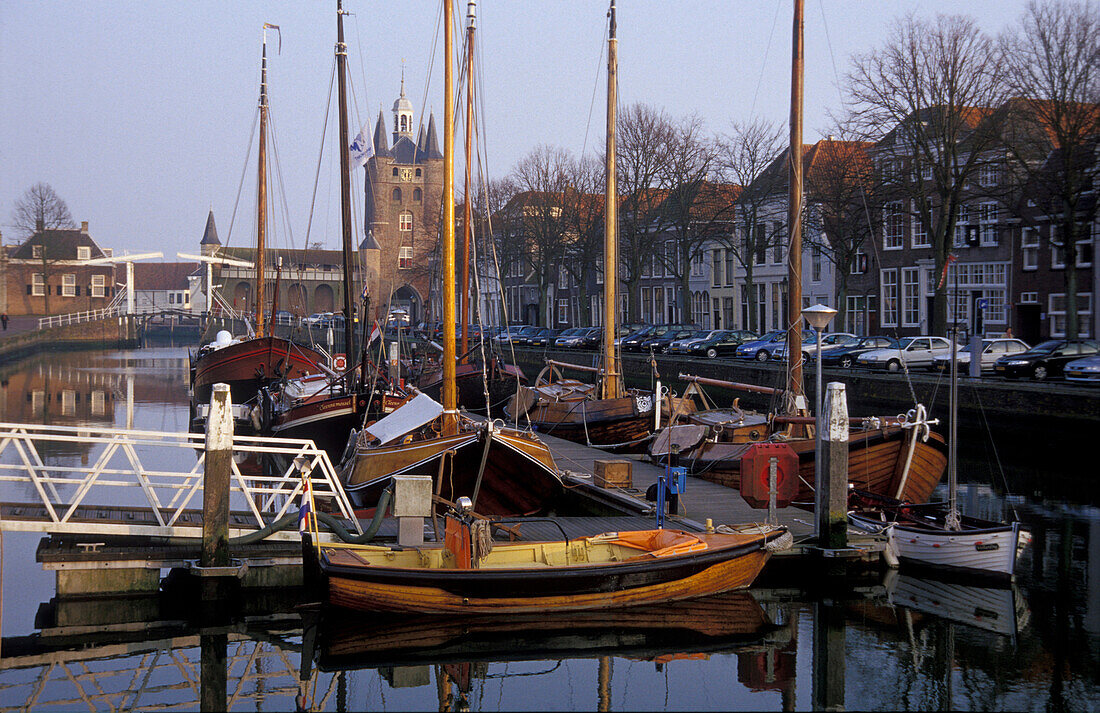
pixel 218 466
pixel 831 494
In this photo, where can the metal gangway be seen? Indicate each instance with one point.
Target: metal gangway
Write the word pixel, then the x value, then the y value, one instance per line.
pixel 100 480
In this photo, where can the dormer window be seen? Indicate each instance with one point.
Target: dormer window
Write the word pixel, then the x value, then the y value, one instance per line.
pixel 83 252
pixel 36 251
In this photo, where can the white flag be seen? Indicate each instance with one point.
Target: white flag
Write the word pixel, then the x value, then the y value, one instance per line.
pixel 362 148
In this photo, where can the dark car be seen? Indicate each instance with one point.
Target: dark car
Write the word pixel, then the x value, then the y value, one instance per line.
pixel 659 343
pixel 846 356
pixel 1046 359
pixel 544 338
pixel 632 342
pixel 591 338
pixel 572 338
pixel 722 342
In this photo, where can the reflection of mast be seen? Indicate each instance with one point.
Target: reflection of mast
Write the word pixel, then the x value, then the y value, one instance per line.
pixel 605 684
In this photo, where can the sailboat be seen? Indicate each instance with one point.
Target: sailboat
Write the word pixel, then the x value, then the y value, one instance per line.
pixel 327 407
pixel 504 471
pixel 603 414
pixel 899 458
pixel 251 362
pixel 481 387
pixel 937 535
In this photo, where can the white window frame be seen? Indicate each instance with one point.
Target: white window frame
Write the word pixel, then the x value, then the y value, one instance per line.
pixel 988 214
pixel 893 226
pixel 888 305
pixel 563 310
pixel 918 235
pixel 961 224
pixel 36 252
pixel 716 268
pixel 404 257
pixel 38 284
pixel 1029 298
pixel 99 286
pixel 405 221
pixel 1056 313
pixel 83 252
pixel 815 263
pixel 910 296
pixel 563 276
pixel 1029 249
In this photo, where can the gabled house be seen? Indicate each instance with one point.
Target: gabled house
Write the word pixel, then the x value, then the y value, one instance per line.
pixel 49 273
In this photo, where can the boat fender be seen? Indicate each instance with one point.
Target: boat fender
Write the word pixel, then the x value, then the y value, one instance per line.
pixel 783 542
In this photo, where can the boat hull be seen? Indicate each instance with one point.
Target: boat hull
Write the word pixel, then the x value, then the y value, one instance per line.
pixel 530 590
pixel 622 424
pixel 250 365
pixel 991 552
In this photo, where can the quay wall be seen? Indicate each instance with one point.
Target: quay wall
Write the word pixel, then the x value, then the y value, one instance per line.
pixel 113 333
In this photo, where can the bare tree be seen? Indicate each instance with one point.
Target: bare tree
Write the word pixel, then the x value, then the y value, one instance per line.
pixel 645 137
pixel 840 190
pixel 585 219
pixel 745 157
pixel 40 205
pixel 934 85
pixel 542 180
pixel 1051 59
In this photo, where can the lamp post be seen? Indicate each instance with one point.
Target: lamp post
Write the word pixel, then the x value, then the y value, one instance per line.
pixel 827 494
pixel 818 317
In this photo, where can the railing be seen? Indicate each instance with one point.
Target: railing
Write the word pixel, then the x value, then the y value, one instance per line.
pixel 127 468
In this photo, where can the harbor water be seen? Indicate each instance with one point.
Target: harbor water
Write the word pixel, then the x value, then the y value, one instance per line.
pixel 890 640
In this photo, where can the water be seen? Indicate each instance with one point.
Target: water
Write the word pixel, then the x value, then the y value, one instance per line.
pixel 880 642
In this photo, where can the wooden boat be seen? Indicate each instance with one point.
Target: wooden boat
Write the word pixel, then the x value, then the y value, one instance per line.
pixel 1001 609
pixel 604 414
pixel 503 471
pixel 712 624
pixel 500 379
pixel 897 458
pixel 249 363
pixel 613 570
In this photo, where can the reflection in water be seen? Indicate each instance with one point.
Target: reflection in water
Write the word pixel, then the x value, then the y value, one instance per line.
pixel 903 643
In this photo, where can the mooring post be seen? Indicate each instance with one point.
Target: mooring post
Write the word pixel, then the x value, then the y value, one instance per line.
pixel 215 486
pixel 831 488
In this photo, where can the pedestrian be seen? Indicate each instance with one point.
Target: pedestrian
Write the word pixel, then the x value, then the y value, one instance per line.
pixel 4 320
pixel 1008 332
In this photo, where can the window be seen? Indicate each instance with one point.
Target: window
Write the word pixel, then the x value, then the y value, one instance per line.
pixel 987 217
pixel 83 252
pixel 599 271
pixel 36 251
pixel 1058 254
pixel 563 277
pixel 99 403
pixel 1057 313
pixel 404 257
pixel 926 171
pixel 395 171
pixel 673 311
pixel 1029 249
pixel 859 262
pixel 396 195
pixel 716 268
pixel 697 264
pixel 910 296
pixel 893 226
pixel 889 290
pixel 761 244
pixel 563 311
pixel 647 305
pixel 418 173
pixel 418 195
pixel 961 225
pixel 405 222
pixel 68 285
pixel 815 263
pixel 99 285
pixel 989 175
pixel 38 284
pixel 731 265
pixel 775 304
pixel 171 298
pixel 777 249
pixel 920 233
pixel 658 305
pixel 1029 298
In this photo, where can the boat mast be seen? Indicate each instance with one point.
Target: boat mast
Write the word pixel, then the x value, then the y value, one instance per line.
pixel 471 9
pixel 450 395
pixel 345 190
pixel 952 522
pixel 794 214
pixel 611 388
pixel 261 195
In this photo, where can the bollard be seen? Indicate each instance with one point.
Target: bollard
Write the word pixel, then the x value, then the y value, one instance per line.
pixel 831 473
pixel 215 483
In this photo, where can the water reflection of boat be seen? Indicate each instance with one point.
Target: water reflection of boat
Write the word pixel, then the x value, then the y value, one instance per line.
pixel 708 625
pixel 999 609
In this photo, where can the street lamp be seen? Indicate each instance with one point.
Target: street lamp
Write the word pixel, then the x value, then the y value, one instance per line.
pixel 818 317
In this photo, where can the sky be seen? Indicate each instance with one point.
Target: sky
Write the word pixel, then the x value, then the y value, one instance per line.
pixel 140 114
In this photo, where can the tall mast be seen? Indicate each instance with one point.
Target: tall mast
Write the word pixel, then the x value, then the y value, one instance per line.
pixel 345 188
pixel 794 214
pixel 471 9
pixel 450 394
pixel 611 386
pixel 261 196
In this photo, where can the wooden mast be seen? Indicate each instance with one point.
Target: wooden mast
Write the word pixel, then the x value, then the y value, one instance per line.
pixel 450 394
pixel 261 195
pixel 463 293
pixel 794 213
pixel 345 190
pixel 611 388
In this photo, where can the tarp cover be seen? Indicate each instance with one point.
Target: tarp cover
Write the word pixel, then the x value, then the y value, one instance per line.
pixel 660 543
pixel 420 410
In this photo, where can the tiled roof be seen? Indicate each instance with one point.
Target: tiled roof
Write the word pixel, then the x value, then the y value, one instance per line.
pixel 162 275
pixel 60 243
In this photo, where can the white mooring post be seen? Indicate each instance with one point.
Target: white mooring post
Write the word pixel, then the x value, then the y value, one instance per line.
pixel 412 504
pixel 215 488
pixel 831 476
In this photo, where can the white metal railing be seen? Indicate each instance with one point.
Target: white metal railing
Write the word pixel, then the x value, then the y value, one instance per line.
pixel 129 465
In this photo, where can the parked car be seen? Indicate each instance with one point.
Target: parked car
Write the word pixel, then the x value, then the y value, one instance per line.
pixel 758 348
pixel 845 356
pixel 1046 359
pixel 683 346
pixel 508 335
pixel 660 343
pixel 632 341
pixel 571 338
pixel 721 342
pixel 591 338
pixel 316 319
pixel 992 350
pixel 1084 371
pixel 809 342
pixel 544 338
pixel 283 317
pixel 912 351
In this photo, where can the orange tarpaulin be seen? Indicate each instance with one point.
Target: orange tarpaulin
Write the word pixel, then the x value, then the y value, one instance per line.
pixel 659 543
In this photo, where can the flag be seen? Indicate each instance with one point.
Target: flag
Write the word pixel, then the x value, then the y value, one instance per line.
pixel 362 148
pixel 943 275
pixel 303 514
pixel 375 333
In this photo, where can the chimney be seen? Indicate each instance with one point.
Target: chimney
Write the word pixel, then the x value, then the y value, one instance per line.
pixel 84 227
pixel 831 138
pixel 39 225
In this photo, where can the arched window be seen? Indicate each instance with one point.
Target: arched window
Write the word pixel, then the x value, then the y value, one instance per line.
pixel 404 123
pixel 396 195
pixel 418 173
pixel 395 171
pixel 418 195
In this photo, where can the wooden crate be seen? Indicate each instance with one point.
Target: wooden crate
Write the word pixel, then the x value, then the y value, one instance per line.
pixel 614 474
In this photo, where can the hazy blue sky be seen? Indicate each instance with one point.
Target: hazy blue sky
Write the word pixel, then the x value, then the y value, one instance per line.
pixel 139 113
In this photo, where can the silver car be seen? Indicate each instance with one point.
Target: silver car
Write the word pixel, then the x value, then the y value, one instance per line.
pixel 992 350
